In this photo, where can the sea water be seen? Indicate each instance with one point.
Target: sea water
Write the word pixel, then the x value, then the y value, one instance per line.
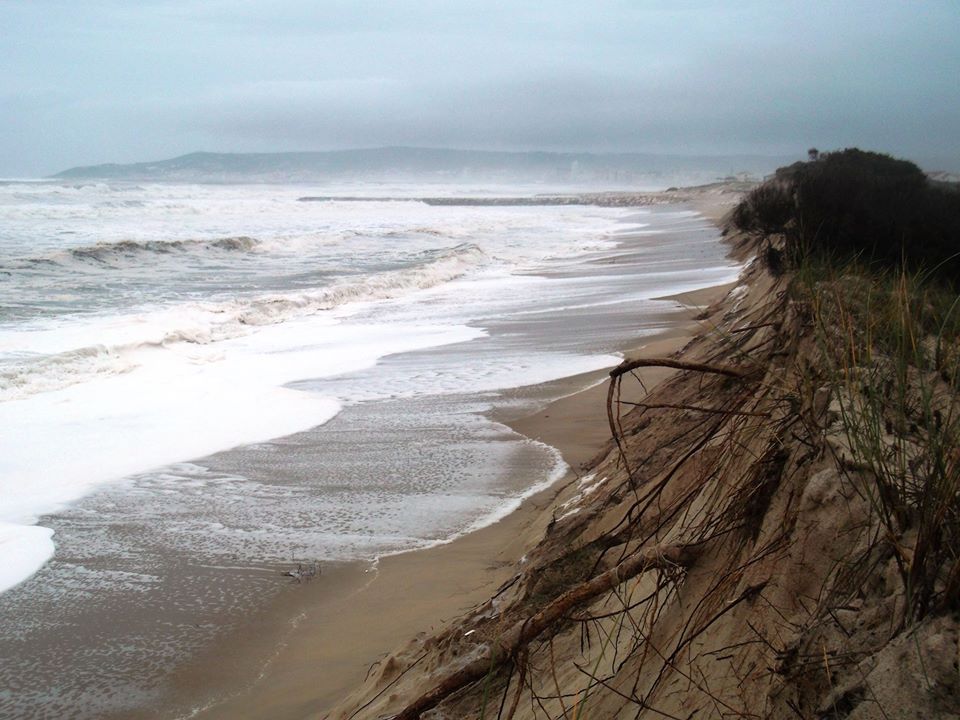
pixel 200 383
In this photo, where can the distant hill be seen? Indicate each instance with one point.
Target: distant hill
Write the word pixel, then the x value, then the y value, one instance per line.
pixel 408 163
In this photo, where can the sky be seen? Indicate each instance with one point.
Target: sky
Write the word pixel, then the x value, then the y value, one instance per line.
pixel 132 80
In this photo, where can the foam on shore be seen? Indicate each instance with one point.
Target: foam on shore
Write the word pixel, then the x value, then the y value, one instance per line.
pixel 24 548
pixel 179 403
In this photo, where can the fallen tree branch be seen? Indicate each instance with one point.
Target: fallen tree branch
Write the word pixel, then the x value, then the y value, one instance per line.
pixel 695 408
pixel 613 391
pixel 613 398
pixel 388 686
pixel 629 365
pixel 523 631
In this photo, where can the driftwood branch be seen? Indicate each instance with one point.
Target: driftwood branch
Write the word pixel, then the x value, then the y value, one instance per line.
pixel 694 408
pixel 630 365
pixel 523 631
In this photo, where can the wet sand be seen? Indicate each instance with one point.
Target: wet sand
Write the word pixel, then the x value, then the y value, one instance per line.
pixel 168 593
pixel 319 639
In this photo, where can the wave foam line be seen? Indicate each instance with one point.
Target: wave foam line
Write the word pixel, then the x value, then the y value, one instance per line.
pixel 45 369
pixel 66 444
pixel 505 509
pixel 24 549
pixel 127 252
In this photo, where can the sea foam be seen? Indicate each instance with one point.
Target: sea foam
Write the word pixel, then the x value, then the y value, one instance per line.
pixel 178 403
pixel 91 347
pixel 149 325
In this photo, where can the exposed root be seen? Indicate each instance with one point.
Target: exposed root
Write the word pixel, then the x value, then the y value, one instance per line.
pixel 509 643
pixel 630 365
pixel 777 558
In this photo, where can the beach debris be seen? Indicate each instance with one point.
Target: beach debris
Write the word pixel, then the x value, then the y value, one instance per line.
pixel 629 365
pixel 304 571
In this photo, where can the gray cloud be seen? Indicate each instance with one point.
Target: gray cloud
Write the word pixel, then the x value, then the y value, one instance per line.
pixel 115 81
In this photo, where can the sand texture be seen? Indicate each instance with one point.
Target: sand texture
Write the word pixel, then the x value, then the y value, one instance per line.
pixel 715 553
pixel 723 559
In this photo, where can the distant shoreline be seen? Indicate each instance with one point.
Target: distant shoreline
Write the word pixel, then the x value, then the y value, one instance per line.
pixel 417 164
pixel 601 199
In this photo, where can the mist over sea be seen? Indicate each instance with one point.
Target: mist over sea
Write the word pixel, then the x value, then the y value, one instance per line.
pixel 202 384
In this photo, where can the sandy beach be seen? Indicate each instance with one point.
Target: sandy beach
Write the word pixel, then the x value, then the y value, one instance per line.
pixel 321 639
pixel 727 556
pixel 171 590
pixel 475 362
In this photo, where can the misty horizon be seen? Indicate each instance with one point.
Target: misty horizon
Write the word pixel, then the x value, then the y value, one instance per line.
pixel 107 82
pixel 549 171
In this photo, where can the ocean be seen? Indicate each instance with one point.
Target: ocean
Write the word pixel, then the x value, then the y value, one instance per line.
pixel 203 385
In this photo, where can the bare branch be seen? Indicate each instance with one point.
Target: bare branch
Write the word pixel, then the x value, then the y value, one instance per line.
pixel 523 631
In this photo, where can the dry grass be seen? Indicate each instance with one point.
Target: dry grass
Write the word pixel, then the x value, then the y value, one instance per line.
pixel 890 342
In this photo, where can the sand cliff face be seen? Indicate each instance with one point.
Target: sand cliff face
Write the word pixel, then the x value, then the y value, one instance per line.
pixel 724 557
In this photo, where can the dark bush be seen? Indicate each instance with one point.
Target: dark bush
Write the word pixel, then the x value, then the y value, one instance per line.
pixel 766 209
pixel 859 204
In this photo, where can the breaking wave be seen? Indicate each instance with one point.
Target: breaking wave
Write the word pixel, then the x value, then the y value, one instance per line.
pixel 129 252
pixel 278 307
pixel 104 252
pixel 210 322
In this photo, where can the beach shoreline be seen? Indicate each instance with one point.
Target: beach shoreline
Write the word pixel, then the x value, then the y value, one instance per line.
pixel 170 588
pixel 319 640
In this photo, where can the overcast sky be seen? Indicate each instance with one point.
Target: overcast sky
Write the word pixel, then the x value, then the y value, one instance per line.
pixel 90 81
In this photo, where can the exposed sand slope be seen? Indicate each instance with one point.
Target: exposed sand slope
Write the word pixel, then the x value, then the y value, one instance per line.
pixel 790 606
pixel 354 616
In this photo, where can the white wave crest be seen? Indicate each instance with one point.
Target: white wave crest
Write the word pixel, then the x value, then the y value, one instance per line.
pixel 20 378
pixel 29 373
pixel 382 286
pixel 124 253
